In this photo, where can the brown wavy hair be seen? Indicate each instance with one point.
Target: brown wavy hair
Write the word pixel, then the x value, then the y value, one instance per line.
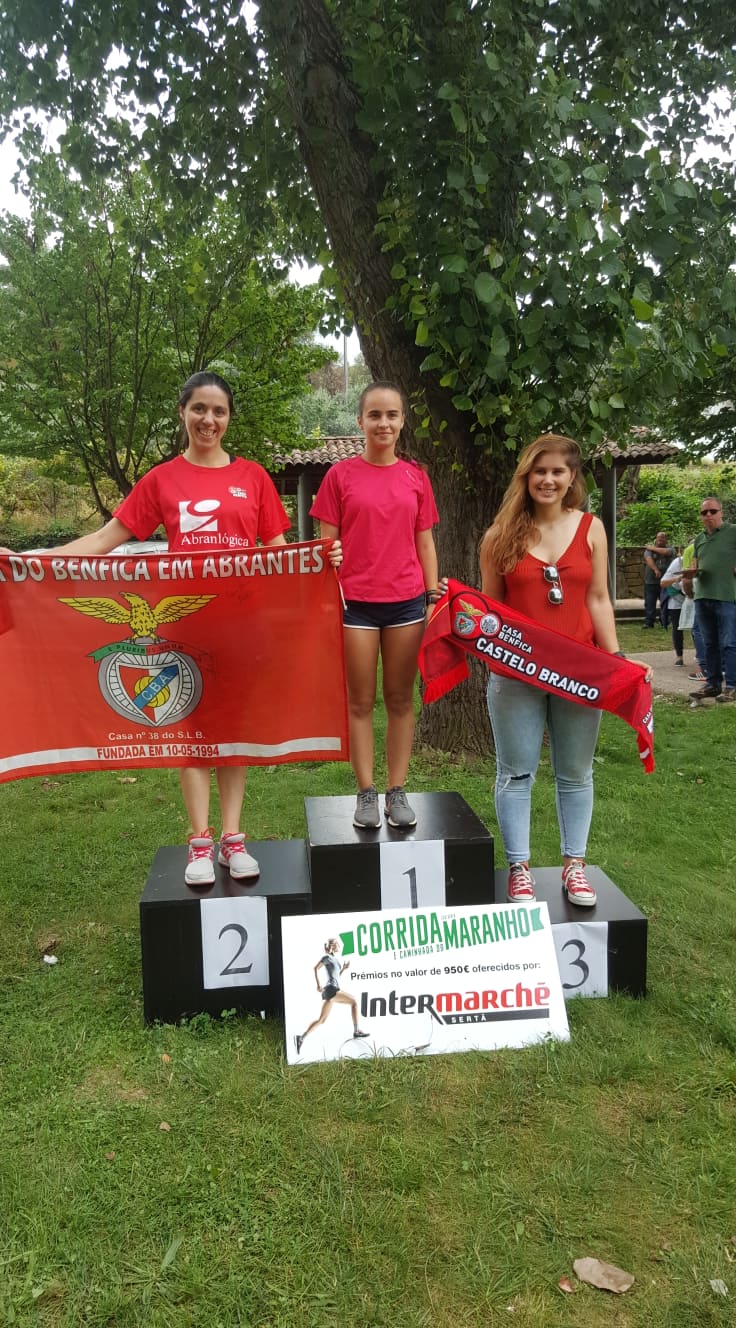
pixel 511 535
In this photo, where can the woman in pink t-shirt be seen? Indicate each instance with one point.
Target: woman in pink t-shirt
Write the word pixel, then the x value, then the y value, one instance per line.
pixel 381 506
pixel 200 497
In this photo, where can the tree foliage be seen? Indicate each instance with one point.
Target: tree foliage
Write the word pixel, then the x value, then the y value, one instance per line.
pixel 702 414
pixel 504 193
pixel 531 176
pixel 323 414
pixel 669 498
pixel 108 303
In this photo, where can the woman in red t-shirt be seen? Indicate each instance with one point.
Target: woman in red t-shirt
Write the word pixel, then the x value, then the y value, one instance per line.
pixel 381 506
pixel 206 501
pixel 548 559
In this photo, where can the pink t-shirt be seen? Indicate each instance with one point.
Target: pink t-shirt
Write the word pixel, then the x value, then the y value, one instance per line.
pixel 378 511
pixel 205 507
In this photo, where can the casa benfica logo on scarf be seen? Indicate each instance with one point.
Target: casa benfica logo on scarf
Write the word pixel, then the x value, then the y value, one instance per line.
pixel 145 678
pixel 467 622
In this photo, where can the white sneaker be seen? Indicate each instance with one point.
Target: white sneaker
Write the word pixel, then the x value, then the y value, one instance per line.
pixel 233 855
pixel 201 865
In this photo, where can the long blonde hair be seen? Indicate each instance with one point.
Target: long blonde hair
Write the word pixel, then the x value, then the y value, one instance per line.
pixel 511 534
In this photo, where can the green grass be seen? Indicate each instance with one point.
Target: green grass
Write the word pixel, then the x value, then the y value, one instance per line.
pixel 634 637
pixel 445 1191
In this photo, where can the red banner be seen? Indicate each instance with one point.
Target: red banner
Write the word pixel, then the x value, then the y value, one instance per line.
pixel 170 660
pixel 469 623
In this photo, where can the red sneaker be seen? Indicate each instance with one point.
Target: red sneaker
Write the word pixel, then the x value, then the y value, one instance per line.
pixel 521 884
pixel 576 886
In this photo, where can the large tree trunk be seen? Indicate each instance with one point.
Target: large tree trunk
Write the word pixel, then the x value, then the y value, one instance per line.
pixel 337 154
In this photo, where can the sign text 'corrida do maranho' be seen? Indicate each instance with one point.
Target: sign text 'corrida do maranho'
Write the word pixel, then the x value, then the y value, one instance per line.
pixel 170 659
pixel 424 981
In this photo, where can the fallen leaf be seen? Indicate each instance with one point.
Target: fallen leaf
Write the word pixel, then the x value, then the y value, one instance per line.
pixel 165 1058
pixel 43 1294
pixel 566 1285
pixel 605 1276
pixel 164 1126
pixel 719 1286
pixel 127 779
pixel 50 783
pixel 110 1157
pixel 47 942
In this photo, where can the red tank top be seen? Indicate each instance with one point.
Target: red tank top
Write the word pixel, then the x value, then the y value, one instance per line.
pixel 526 588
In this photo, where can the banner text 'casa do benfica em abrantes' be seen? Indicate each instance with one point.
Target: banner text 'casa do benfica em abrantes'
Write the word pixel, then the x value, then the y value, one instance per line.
pixel 134 660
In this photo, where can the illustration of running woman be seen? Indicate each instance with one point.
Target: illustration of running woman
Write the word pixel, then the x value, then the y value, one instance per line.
pixel 331 992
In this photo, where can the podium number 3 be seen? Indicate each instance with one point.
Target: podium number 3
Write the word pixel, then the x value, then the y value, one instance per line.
pixel 242 933
pixel 578 962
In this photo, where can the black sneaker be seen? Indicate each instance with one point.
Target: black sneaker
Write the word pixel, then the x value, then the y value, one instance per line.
pixel 728 694
pixel 400 814
pixel 367 815
pixel 359 1033
pixel 705 691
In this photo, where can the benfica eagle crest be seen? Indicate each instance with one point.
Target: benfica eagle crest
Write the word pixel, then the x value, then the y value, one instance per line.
pixel 145 678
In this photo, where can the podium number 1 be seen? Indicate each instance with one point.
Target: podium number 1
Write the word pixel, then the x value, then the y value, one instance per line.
pixel 413 873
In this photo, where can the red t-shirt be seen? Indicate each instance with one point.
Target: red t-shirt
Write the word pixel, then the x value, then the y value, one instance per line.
pixel 205 507
pixel 526 588
pixel 378 511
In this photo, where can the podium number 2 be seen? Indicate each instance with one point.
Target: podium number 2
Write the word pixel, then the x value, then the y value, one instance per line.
pixel 242 933
pixel 234 942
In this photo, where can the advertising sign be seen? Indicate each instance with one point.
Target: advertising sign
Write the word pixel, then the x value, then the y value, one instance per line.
pixel 420 982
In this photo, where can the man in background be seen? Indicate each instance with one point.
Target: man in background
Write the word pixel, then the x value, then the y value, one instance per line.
pixel 657 558
pixel 714 567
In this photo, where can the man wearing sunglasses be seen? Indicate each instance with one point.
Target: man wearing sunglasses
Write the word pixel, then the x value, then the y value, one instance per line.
pixel 715 600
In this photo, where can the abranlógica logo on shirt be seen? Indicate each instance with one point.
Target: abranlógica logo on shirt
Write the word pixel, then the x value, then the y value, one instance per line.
pixel 198 517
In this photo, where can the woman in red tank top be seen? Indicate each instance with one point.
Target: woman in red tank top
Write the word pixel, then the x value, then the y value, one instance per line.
pixel 548 559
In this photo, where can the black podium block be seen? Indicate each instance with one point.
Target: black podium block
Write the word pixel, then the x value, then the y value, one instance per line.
pixel 446 858
pixel 626 936
pixel 172 933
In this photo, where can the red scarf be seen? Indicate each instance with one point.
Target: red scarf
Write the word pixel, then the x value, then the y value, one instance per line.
pixel 517 647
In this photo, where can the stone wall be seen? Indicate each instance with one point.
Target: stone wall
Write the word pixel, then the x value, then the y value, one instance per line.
pixel 630 573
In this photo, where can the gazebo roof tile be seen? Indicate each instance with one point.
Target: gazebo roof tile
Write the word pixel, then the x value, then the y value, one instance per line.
pixel 644 448
pixel 325 452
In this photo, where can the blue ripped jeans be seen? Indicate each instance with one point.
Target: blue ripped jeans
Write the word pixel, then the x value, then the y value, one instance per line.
pixel 519 714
